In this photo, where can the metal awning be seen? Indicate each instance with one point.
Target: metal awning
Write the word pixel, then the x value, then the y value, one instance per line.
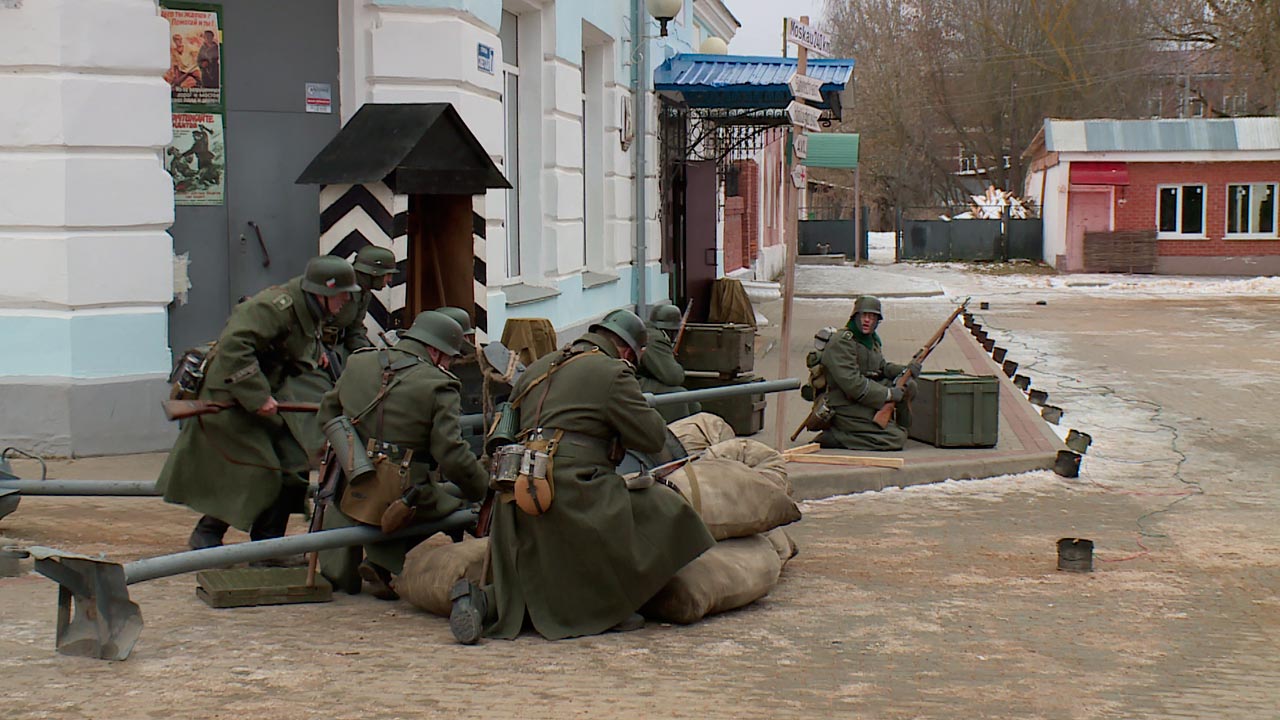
pixel 747 82
pixel 415 147
pixel 832 150
pixel 1098 173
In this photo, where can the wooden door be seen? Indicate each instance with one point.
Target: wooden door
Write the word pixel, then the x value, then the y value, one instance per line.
pixel 1088 210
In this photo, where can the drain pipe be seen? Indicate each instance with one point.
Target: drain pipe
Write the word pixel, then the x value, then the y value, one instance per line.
pixel 639 89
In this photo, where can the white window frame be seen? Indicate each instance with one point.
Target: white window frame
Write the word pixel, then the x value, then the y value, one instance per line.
pixel 1252 235
pixel 1204 213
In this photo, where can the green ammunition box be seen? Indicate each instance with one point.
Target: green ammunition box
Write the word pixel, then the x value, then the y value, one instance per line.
pixel 952 409
pixel 723 348
pixel 745 413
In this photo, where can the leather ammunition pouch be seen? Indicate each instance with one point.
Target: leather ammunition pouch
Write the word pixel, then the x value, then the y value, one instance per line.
pixel 820 417
pixel 366 498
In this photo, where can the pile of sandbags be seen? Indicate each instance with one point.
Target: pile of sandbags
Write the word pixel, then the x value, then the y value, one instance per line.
pixel 431 570
pixel 741 490
pixel 701 431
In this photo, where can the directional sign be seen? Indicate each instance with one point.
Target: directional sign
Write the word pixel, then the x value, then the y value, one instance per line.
pixel 799 176
pixel 805 116
pixel 801 145
pixel 804 87
pixel 808 37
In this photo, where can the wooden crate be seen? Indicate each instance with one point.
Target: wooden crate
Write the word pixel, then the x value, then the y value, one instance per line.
pixel 243 587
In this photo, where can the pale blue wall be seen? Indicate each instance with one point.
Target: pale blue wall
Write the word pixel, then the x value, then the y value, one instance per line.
pixel 576 304
pixel 84 345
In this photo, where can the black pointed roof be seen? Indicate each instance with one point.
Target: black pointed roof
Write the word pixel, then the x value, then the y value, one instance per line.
pixel 415 147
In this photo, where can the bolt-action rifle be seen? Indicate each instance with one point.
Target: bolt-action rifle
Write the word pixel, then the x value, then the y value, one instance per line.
pixel 684 321
pixel 884 414
pixel 183 409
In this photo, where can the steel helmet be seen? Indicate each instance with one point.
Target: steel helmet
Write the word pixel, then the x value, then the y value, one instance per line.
pixel 665 317
pixel 374 260
pixel 459 316
pixel 435 329
pixel 329 275
pixel 869 304
pixel 626 325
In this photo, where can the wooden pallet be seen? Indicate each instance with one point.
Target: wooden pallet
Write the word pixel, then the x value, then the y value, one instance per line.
pixel 244 587
pixel 1127 251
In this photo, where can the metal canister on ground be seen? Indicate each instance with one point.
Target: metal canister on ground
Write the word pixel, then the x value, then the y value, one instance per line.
pixel 1075 555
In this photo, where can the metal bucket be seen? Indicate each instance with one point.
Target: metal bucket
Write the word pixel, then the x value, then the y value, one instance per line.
pixel 975 328
pixel 1079 441
pixel 980 335
pixel 999 353
pixel 1022 382
pixel 1051 413
pixel 1067 464
pixel 1075 555
pixel 1010 368
pixel 984 306
pixel 989 344
pixel 1038 397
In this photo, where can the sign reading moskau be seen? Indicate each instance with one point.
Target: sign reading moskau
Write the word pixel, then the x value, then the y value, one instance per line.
pixel 808 37
pixel 801 145
pixel 804 115
pixel 805 87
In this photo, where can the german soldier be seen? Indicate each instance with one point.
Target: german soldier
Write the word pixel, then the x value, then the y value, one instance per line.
pixel 244 466
pixel 597 551
pixel 405 405
pixel 859 382
pixel 659 371
pixel 374 267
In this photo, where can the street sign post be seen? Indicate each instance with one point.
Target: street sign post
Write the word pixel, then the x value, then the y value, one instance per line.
pixel 804 87
pixel 808 37
pixel 801 146
pixel 799 176
pixel 805 116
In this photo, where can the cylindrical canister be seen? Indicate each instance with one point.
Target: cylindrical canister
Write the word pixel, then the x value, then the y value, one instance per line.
pixel 348 449
pixel 1075 555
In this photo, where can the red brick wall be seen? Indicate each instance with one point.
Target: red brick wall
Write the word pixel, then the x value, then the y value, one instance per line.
pixel 734 240
pixel 1138 209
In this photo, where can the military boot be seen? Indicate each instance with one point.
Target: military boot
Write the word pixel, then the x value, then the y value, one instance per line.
pixel 379 579
pixel 469 612
pixel 208 533
pixel 635 621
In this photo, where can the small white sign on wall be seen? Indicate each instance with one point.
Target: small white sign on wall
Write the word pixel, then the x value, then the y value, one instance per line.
pixel 10 4
pixel 484 58
pixel 319 98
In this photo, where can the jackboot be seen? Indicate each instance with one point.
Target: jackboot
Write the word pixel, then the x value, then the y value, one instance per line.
pixel 379 579
pixel 208 533
pixel 469 612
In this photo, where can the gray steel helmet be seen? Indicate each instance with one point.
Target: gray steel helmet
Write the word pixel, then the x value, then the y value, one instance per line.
pixel 374 260
pixel 459 316
pixel 867 303
pixel 329 275
pixel 435 329
pixel 626 325
pixel 665 317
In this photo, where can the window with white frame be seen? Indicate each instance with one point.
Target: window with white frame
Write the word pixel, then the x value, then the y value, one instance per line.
pixel 1180 210
pixel 1251 209
pixel 508 34
pixel 597 57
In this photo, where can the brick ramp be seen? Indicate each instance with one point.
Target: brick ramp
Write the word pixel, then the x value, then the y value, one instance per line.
pixel 1026 442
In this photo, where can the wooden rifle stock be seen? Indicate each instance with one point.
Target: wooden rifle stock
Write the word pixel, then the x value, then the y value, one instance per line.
pixel 684 321
pixel 183 409
pixel 884 414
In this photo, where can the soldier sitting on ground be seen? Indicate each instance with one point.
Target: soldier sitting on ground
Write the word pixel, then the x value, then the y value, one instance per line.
pixel 405 400
pixel 244 466
pixel 859 381
pixel 583 553
pixel 658 370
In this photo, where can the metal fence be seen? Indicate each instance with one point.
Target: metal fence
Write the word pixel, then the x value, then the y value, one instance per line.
pixel 948 240
pixel 828 229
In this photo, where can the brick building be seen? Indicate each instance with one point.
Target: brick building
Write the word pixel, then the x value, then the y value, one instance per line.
pixel 1187 196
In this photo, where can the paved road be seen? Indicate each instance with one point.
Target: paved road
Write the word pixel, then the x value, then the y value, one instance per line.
pixel 933 602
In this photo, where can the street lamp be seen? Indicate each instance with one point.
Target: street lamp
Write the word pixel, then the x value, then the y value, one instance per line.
pixel 664 11
pixel 714 46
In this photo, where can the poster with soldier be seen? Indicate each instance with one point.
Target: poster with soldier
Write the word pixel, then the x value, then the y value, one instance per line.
pixel 195 54
pixel 197 159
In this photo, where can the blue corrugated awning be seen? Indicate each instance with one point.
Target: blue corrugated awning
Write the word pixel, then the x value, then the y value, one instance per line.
pixel 745 82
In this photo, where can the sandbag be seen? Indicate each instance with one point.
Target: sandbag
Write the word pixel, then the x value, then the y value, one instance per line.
pixel 730 575
pixel 783 543
pixel 732 499
pixel 757 456
pixel 430 571
pixel 701 431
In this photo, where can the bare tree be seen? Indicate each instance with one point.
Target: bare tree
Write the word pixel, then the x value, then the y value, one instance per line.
pixel 1241 35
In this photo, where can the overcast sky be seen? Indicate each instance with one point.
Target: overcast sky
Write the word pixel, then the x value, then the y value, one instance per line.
pixel 761 32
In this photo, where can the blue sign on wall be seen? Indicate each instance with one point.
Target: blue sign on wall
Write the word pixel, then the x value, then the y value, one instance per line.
pixel 484 58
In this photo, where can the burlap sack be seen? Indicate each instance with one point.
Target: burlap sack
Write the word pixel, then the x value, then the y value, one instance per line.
pixel 701 431
pixel 757 456
pixel 430 571
pixel 732 499
pixel 783 543
pixel 730 575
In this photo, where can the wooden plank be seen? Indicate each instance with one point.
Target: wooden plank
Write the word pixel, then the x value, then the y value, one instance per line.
pixel 849 460
pixel 802 450
pixel 243 587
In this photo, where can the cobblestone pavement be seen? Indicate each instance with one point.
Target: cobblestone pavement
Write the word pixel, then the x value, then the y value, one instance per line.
pixel 933 602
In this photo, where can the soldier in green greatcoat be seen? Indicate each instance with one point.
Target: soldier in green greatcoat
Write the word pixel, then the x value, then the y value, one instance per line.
pixel 859 382
pixel 589 562
pixel 243 466
pixel 418 412
pixel 659 371
pixel 374 267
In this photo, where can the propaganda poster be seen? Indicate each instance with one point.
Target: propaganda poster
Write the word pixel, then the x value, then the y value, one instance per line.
pixel 195 54
pixel 197 159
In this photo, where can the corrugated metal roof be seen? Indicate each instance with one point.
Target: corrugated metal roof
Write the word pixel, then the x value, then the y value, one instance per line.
pixel 738 81
pixel 1163 135
pixel 832 150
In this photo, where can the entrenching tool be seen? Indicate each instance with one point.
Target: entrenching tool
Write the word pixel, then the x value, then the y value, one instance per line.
pixel 96 617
